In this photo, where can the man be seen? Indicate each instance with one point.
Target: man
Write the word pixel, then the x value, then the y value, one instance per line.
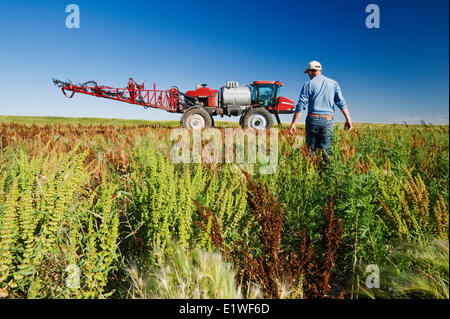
pixel 320 95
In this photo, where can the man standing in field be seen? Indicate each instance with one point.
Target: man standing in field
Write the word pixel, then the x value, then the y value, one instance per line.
pixel 320 95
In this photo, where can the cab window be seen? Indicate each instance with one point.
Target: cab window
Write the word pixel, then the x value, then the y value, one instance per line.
pixel 266 94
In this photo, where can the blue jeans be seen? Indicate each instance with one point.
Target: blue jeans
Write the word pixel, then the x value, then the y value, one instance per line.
pixel 319 135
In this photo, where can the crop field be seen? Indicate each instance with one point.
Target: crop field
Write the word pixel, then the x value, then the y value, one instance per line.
pixel 95 208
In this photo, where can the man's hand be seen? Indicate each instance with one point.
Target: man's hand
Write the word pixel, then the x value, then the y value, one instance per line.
pixel 348 121
pixel 293 129
pixel 348 125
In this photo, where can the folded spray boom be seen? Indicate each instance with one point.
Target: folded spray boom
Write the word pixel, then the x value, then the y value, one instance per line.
pixel 134 93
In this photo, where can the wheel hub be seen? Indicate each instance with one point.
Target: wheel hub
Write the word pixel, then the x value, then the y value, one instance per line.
pixel 196 121
pixel 258 121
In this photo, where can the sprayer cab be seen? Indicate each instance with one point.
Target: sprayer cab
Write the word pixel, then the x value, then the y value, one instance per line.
pixel 267 94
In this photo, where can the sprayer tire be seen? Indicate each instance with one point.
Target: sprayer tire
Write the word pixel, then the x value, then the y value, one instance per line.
pixel 196 118
pixel 258 118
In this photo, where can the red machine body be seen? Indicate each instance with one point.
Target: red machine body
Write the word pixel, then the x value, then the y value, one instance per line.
pixel 285 105
pixel 206 96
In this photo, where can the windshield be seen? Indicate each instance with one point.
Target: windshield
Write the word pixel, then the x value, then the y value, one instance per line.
pixel 265 94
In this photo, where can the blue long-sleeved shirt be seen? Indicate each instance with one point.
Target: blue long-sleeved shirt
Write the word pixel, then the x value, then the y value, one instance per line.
pixel 320 95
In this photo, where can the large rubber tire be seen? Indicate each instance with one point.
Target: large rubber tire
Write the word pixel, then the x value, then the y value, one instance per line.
pixel 258 118
pixel 196 118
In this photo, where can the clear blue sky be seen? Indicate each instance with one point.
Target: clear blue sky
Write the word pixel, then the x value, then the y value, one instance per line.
pixel 397 73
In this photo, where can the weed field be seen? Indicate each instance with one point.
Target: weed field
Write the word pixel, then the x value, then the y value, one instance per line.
pixel 94 208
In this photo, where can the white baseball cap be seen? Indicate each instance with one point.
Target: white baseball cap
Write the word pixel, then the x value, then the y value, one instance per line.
pixel 313 65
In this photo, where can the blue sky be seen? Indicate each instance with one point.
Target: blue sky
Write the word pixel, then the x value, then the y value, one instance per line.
pixel 399 72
